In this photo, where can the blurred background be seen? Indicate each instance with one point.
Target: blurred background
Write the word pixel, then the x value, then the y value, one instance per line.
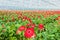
pixel 29 5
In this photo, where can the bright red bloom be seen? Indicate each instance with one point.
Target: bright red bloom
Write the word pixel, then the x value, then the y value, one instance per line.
pixel 29 33
pixel 41 26
pixel 21 28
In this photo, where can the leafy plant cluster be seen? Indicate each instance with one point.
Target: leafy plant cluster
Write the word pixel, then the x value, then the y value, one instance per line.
pixel 10 24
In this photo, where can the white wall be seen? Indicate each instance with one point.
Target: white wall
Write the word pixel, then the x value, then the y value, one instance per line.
pixel 30 4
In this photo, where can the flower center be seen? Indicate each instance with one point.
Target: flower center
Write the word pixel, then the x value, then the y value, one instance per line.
pixel 29 31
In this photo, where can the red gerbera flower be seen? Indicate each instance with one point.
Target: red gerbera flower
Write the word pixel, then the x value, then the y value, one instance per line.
pixel 21 28
pixel 41 26
pixel 29 33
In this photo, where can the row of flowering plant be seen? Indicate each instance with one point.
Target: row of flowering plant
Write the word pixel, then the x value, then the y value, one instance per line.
pixel 29 26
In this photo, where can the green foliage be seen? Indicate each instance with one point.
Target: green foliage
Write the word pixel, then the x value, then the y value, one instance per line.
pixel 51 28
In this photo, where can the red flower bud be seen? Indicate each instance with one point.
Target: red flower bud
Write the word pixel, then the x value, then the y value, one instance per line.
pixel 58 18
pixel 29 24
pixel 13 19
pixel 38 16
pixel 29 20
pixel 19 17
pixel 24 17
pixel 41 26
pixel 33 25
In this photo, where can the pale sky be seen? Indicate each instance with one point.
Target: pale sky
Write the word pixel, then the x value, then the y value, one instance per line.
pixel 29 4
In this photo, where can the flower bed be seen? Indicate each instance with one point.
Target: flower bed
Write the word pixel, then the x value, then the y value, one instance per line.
pixel 29 25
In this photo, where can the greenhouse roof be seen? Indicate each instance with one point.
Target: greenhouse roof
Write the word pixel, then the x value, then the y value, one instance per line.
pixel 29 4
